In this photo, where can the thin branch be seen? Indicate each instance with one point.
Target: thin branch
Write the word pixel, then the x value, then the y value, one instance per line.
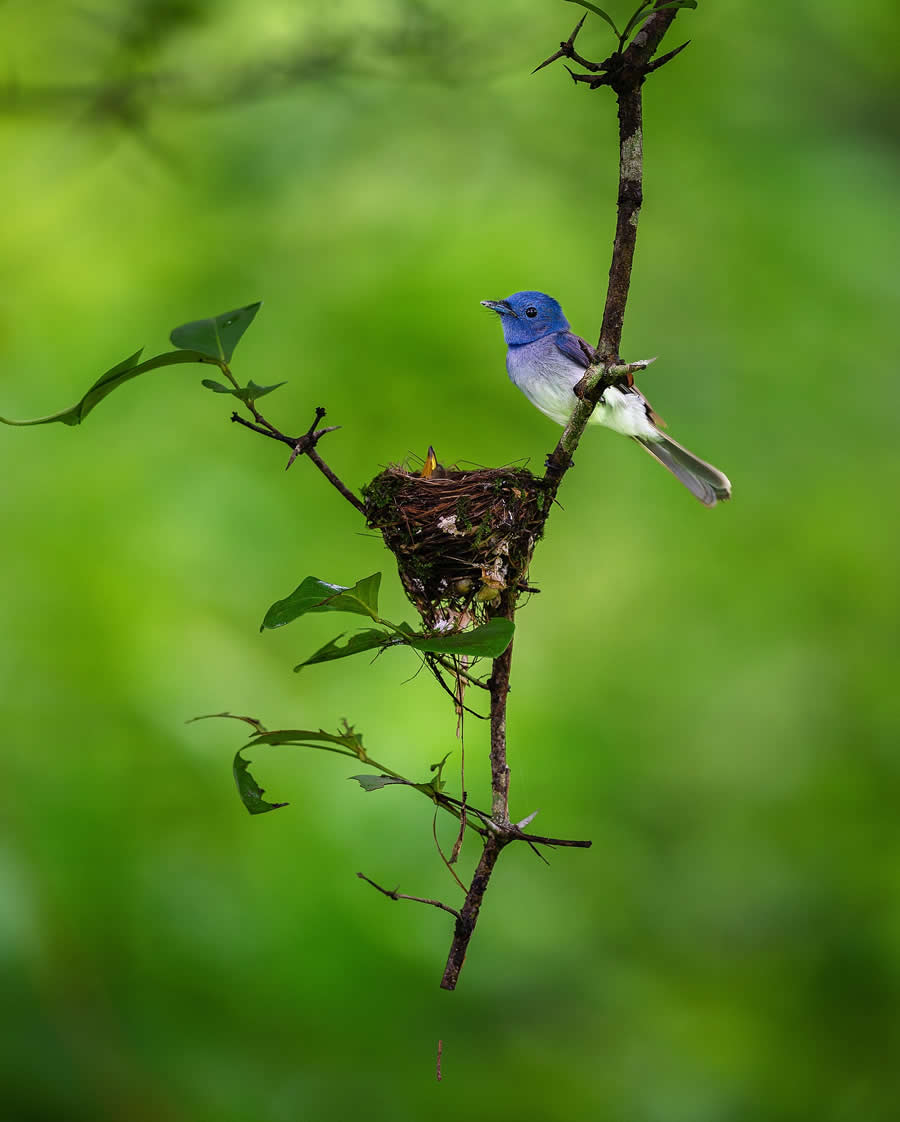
pixel 443 856
pixel 438 677
pixel 304 445
pixel 499 685
pixel 395 895
pixel 538 839
pixel 625 74
pixel 461 736
pixel 447 663
pixel 567 50
pixel 313 455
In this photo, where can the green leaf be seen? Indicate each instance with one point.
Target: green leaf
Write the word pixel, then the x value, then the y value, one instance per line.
pixel 641 13
pixel 252 721
pixel 367 640
pixel 215 337
pixel 376 782
pixel 348 743
pixel 437 783
pixel 247 393
pixel 314 595
pixel 252 391
pixel 597 12
pixel 676 4
pixel 250 791
pixel 117 376
pixel 488 641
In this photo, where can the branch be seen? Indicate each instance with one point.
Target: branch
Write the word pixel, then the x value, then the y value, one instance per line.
pixel 395 895
pixel 468 917
pixel 457 670
pixel 503 832
pixel 304 445
pixel 499 687
pixel 624 72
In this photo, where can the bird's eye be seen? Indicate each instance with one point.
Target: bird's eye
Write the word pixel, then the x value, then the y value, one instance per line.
pixel 531 312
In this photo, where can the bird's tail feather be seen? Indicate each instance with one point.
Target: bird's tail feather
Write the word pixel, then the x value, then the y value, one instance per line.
pixel 704 482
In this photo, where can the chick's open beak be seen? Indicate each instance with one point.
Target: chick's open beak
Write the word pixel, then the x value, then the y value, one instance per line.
pixel 500 307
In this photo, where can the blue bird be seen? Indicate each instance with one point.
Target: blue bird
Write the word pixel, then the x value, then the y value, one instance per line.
pixel 546 361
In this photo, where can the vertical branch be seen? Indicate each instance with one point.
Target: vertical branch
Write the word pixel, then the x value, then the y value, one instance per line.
pixel 625 74
pixel 501 835
pixel 499 684
pixel 468 916
pixel 630 198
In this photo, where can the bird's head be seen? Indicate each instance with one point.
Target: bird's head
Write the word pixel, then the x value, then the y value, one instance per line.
pixel 526 316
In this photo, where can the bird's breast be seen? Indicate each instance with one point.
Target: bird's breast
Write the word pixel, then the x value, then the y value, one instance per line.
pixel 546 377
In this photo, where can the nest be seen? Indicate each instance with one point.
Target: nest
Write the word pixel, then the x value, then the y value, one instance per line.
pixel 461 538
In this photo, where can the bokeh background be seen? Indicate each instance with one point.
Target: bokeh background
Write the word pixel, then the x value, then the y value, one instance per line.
pixel 711 696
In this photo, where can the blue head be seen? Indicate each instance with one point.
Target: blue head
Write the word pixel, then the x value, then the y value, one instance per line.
pixel 527 316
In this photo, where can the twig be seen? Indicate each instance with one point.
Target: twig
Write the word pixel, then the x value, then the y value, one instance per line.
pixel 395 895
pixel 433 667
pixel 313 455
pixel 304 445
pixel 441 853
pixel 447 663
pixel 567 50
pixel 538 839
pixel 461 736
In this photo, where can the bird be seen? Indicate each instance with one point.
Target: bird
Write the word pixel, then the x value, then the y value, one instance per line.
pixel 431 469
pixel 546 360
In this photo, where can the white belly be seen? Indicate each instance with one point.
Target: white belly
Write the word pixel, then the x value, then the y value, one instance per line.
pixel 625 413
pixel 548 385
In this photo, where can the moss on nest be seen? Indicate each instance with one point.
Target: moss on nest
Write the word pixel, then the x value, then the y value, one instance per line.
pixel 460 537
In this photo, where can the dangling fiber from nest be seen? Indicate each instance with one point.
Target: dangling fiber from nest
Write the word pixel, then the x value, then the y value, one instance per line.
pixel 460 538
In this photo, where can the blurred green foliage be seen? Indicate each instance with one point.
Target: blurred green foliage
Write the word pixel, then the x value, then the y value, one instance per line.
pixel 711 696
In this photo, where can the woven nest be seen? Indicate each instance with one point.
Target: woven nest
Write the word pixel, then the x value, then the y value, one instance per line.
pixel 461 538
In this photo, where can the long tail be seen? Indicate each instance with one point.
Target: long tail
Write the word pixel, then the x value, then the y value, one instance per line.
pixel 704 482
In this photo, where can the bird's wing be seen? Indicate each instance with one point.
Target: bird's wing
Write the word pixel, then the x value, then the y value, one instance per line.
pixel 574 347
pixel 580 350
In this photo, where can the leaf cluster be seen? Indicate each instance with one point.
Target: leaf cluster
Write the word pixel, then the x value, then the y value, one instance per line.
pixel 489 640
pixel 210 340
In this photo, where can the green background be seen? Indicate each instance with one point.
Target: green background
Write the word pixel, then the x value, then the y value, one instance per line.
pixel 710 695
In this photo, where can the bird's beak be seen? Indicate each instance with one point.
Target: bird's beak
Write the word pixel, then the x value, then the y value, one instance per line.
pixel 501 307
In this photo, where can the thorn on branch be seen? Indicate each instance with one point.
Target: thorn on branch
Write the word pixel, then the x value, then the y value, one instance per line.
pixel 539 839
pixel 627 67
pixel 564 48
pixel 302 446
pixel 663 59
pixel 309 441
